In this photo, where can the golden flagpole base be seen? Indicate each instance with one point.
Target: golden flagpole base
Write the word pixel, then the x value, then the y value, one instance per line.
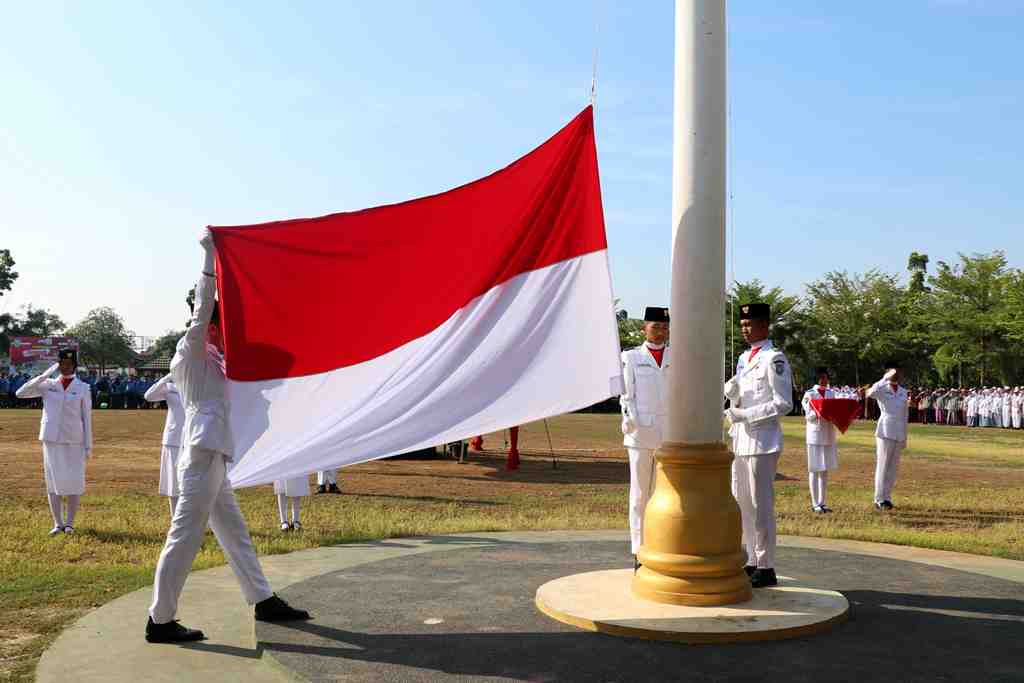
pixel 692 552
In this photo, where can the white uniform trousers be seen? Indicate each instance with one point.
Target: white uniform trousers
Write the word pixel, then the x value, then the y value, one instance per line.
pixel 753 486
pixel 325 477
pixel 641 486
pixel 205 496
pixel 887 452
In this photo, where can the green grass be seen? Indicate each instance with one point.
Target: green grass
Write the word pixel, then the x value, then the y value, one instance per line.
pixel 958 489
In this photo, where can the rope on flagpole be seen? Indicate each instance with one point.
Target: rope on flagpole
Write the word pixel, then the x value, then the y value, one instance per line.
pixel 593 75
pixel 554 460
pixel 731 233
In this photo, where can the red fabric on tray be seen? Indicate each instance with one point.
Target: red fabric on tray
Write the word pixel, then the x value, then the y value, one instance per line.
pixel 839 411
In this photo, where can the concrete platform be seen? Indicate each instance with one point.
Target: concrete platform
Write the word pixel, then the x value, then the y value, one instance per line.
pixel 603 601
pixel 461 608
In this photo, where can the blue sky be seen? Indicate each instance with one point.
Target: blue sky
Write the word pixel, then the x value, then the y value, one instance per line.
pixel 859 131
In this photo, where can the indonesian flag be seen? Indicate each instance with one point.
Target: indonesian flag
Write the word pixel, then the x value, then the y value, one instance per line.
pixel 361 335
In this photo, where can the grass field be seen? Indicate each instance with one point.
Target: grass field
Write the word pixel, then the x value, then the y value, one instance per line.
pixel 958 489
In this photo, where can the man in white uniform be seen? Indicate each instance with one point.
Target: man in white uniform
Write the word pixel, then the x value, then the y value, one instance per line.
pixel 643 416
pixel 327 481
pixel 66 433
pixel 760 394
pixel 822 442
pixel 1007 408
pixel 164 390
pixel 206 495
pixel 1018 407
pixel 891 432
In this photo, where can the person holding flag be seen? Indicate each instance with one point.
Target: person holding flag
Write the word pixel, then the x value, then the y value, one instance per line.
pixel 206 495
pixel 822 442
pixel 760 394
pixel 643 416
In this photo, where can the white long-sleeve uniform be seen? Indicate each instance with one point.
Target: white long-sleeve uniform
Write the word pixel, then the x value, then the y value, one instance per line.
pixel 890 435
pixel 165 390
pixel 65 430
pixel 822 446
pixel 643 420
pixel 760 393
pixel 198 372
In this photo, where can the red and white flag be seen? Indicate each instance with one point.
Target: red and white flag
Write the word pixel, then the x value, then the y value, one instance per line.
pixel 360 335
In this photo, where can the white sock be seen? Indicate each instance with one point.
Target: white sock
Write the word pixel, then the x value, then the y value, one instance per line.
pixel 296 506
pixel 282 508
pixel 72 509
pixel 55 509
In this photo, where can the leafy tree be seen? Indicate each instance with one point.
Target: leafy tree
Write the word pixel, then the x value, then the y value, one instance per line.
pixel 917 264
pixel 787 323
pixel 7 273
pixel 165 345
pixel 33 322
pixel 631 333
pixel 968 319
pixel 853 321
pixel 103 338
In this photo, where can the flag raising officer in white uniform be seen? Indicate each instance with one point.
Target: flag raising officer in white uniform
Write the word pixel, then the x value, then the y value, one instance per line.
pixel 206 495
pixel 66 433
pixel 643 416
pixel 822 442
pixel 164 390
pixel 760 394
pixel 891 432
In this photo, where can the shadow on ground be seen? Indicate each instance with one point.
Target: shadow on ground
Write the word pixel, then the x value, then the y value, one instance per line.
pixel 469 613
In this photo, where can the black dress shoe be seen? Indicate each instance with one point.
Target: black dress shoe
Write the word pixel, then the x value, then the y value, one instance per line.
pixel 887 504
pixel 826 509
pixel 763 577
pixel 321 489
pixel 333 488
pixel 171 632
pixel 880 506
pixel 276 609
pixel 750 569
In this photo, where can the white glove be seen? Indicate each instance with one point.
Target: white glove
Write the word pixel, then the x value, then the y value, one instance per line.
pixel 206 239
pixel 52 369
pixel 889 374
pixel 628 426
pixel 736 415
pixel 812 416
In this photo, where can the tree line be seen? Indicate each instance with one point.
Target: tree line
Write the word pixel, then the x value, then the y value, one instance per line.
pixel 961 325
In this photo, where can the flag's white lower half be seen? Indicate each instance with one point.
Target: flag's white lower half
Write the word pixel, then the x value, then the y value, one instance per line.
pixel 538 345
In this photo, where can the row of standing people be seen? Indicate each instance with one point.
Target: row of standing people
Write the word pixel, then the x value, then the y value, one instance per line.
pixel 1000 407
pixel 120 391
pixel 760 394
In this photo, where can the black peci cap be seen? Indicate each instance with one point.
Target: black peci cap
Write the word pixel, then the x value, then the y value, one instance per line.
pixel 755 311
pixel 656 314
